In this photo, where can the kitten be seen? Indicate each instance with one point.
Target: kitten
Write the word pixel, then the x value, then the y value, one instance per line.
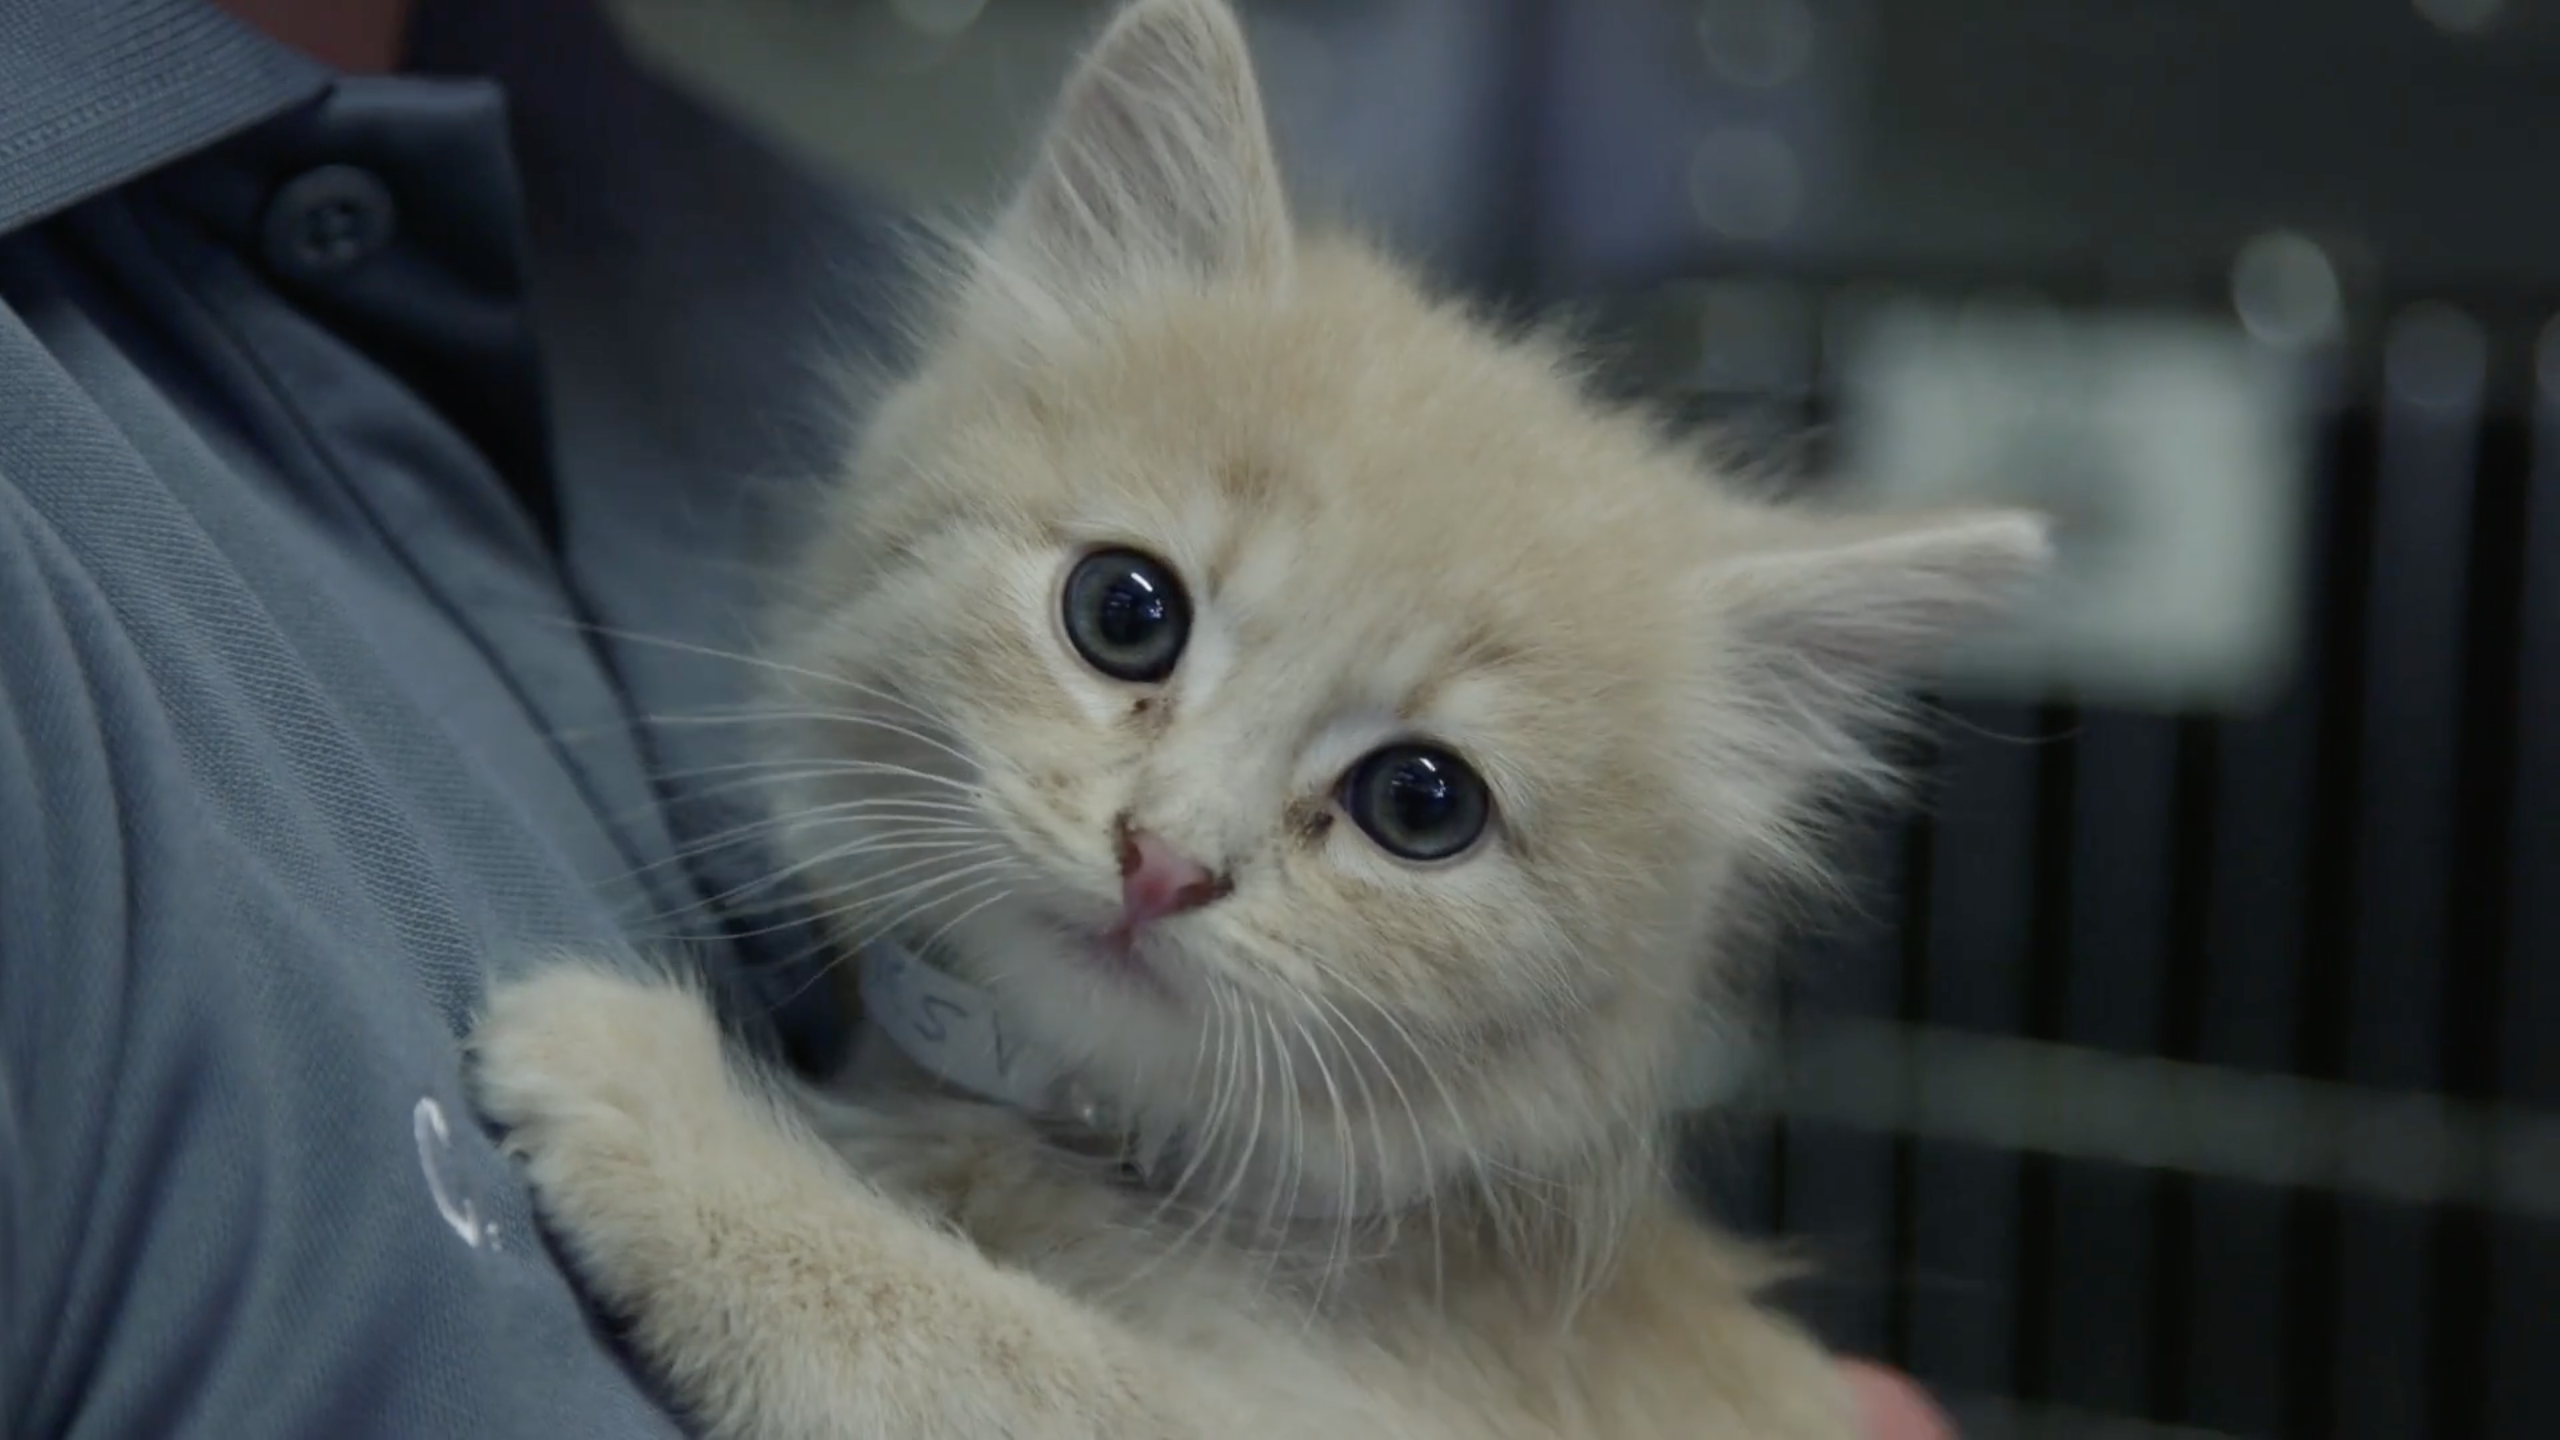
pixel 1300 760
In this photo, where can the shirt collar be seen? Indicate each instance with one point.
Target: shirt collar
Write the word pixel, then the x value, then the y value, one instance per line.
pixel 102 91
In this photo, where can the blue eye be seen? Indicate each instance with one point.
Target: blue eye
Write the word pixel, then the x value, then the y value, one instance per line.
pixel 1126 615
pixel 1418 802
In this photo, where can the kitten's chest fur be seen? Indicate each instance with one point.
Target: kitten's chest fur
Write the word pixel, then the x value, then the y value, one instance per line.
pixel 1408 1325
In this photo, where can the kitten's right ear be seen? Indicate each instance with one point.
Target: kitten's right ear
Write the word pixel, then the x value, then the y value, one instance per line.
pixel 1159 159
pixel 1857 601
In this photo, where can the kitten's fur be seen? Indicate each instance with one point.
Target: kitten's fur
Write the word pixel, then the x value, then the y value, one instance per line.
pixel 1393 523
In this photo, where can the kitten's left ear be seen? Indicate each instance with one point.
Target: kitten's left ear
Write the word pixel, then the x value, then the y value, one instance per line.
pixel 1860 601
pixel 1159 159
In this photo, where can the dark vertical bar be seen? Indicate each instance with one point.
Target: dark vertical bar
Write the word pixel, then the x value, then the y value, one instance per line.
pixel 1964 1217
pixel 1724 1160
pixel 1778 1139
pixel 2310 1224
pixel 2238 1325
pixel 1919 923
pixel 2434 373
pixel 2184 980
pixel 2047 995
pixel 2483 842
pixel 2237 1329
pixel 2522 1387
pixel 2102 1253
pixel 1839 1182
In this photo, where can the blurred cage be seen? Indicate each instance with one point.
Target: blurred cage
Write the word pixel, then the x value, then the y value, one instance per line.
pixel 2194 1071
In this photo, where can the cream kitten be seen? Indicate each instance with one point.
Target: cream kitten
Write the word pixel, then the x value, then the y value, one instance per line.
pixel 1306 760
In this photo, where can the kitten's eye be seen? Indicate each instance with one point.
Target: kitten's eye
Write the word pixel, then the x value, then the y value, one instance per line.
pixel 1418 802
pixel 1126 615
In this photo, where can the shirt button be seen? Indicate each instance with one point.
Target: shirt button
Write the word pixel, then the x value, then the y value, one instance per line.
pixel 327 221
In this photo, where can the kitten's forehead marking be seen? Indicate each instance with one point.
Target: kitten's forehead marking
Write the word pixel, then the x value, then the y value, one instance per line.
pixel 1263 574
pixel 1366 653
pixel 1248 482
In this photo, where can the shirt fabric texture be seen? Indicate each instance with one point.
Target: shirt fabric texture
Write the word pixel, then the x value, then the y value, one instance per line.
pixel 363 443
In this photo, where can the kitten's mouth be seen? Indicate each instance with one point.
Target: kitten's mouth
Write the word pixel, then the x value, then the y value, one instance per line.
pixel 1119 953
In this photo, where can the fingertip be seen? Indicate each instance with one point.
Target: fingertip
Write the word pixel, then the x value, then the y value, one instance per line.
pixel 1894 1406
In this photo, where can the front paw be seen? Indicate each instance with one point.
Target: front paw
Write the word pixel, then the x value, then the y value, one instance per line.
pixel 575 1058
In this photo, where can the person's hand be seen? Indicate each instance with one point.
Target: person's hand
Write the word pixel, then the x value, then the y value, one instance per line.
pixel 1894 1407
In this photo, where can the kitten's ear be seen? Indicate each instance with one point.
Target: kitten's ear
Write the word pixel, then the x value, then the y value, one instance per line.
pixel 1859 601
pixel 1159 158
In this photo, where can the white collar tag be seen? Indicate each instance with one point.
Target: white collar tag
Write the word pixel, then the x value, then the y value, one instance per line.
pixel 954 1031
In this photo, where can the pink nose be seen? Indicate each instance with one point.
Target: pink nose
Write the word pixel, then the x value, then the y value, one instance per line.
pixel 1157 880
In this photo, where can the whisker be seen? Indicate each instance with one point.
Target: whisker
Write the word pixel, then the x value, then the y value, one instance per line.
pixel 775 773
pixel 1431 1191
pixel 1293 1137
pixel 806 909
pixel 842 812
pixel 1229 1085
pixel 1348 1182
pixel 834 855
pixel 917 908
pixel 1253 1137
pixel 947 926
pixel 843 951
pixel 750 659
pixel 757 715
pixel 821 762
pixel 861 887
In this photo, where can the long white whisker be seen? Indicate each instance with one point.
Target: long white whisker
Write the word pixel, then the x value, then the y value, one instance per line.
pixel 807 909
pixel 1292 1118
pixel 774 775
pixel 831 856
pixel 756 715
pixel 748 658
pixel 979 867
pixel 947 926
pixel 1212 1132
pixel 843 812
pixel 1347 1200
pixel 822 763
pixel 918 896
pixel 765 715
pixel 918 907
pixel 1423 1152
pixel 1245 1155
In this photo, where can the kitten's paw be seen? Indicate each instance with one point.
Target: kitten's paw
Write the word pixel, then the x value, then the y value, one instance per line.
pixel 575 1054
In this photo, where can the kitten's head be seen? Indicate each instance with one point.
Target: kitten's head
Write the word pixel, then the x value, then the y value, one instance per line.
pixel 1301 706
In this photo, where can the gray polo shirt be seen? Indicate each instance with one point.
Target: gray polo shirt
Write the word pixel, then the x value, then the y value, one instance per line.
pixel 344 423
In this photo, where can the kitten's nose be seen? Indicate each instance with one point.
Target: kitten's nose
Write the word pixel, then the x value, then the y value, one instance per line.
pixel 1157 880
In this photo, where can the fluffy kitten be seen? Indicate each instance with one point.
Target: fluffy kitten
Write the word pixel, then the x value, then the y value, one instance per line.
pixel 1335 753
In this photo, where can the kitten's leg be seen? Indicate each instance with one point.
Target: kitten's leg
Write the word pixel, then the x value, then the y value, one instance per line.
pixel 778 1294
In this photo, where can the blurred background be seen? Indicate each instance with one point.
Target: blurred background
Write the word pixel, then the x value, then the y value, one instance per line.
pixel 2196 1070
